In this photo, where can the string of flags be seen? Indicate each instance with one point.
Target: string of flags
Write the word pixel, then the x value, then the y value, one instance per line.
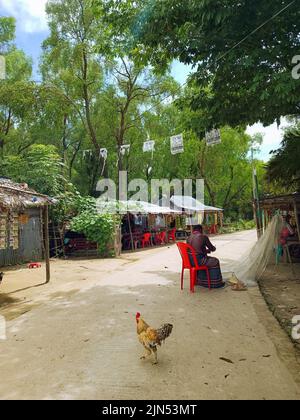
pixel 103 154
pixel 176 146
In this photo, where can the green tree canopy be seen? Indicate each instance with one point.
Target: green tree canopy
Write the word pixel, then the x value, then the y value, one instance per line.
pixel 7 32
pixel 17 92
pixel 284 168
pixel 39 166
pixel 241 50
pixel 98 90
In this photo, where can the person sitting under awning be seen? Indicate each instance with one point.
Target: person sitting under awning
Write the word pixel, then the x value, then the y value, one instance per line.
pixel 287 232
pixel 203 247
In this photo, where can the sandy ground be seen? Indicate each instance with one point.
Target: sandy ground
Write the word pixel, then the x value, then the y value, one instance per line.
pixel 280 286
pixel 75 337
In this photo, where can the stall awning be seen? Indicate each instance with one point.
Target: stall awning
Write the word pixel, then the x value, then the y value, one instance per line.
pixel 190 204
pixel 134 207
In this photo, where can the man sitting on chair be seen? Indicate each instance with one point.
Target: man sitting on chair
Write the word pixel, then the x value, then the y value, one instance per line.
pixel 203 247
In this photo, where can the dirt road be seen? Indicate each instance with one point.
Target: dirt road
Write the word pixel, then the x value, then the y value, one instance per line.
pixel 76 336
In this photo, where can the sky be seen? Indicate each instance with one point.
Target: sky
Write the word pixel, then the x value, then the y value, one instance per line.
pixel 32 29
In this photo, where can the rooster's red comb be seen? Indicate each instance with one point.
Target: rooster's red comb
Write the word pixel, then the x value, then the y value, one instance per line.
pixel 138 315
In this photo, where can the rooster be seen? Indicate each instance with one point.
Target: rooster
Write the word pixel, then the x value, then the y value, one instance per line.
pixel 150 338
pixel 1 277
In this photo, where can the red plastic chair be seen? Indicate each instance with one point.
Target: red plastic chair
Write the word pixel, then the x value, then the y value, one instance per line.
pixel 34 265
pixel 213 230
pixel 186 251
pixel 163 237
pixel 146 240
pixel 157 238
pixel 172 235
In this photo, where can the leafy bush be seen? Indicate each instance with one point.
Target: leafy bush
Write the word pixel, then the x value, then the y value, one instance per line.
pixel 238 226
pixel 82 215
pixel 97 228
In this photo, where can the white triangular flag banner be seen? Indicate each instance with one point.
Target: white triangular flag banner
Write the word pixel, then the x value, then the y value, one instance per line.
pixel 125 148
pixel 103 153
pixel 177 144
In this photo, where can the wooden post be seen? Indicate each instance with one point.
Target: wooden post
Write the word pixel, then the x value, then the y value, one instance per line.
pixel 266 218
pixel 256 219
pixel 130 231
pixel 221 219
pixel 46 237
pixel 297 219
pixel 117 240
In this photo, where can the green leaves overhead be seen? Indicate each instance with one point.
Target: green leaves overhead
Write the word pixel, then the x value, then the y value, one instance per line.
pixel 39 166
pixel 284 167
pixel 241 50
pixel 98 90
pixel 7 32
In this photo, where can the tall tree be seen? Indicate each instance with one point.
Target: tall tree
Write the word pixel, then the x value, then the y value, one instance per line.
pixel 283 168
pixel 136 87
pixel 16 91
pixel 241 49
pixel 72 57
pixel 39 166
pixel 7 33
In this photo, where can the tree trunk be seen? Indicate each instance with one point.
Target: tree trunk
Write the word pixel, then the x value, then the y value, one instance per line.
pixel 202 173
pixel 87 104
pixel 64 138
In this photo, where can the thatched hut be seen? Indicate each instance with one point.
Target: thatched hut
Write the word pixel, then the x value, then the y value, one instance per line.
pixel 23 224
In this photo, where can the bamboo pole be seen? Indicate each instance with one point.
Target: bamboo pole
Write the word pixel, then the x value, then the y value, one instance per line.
pixel 256 219
pixel 117 240
pixel 46 236
pixel 55 240
pixel 166 227
pixel 130 231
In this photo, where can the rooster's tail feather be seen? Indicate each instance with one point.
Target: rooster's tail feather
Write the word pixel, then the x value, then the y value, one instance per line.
pixel 164 331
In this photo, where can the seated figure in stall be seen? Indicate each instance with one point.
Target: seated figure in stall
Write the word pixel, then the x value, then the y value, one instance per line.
pixel 288 239
pixel 287 233
pixel 203 247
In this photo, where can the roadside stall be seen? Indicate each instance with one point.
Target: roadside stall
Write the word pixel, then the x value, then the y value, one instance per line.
pixel 145 224
pixel 142 224
pixel 194 212
pixel 288 206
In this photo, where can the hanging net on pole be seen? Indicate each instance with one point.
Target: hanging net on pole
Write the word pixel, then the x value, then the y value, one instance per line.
pixel 252 265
